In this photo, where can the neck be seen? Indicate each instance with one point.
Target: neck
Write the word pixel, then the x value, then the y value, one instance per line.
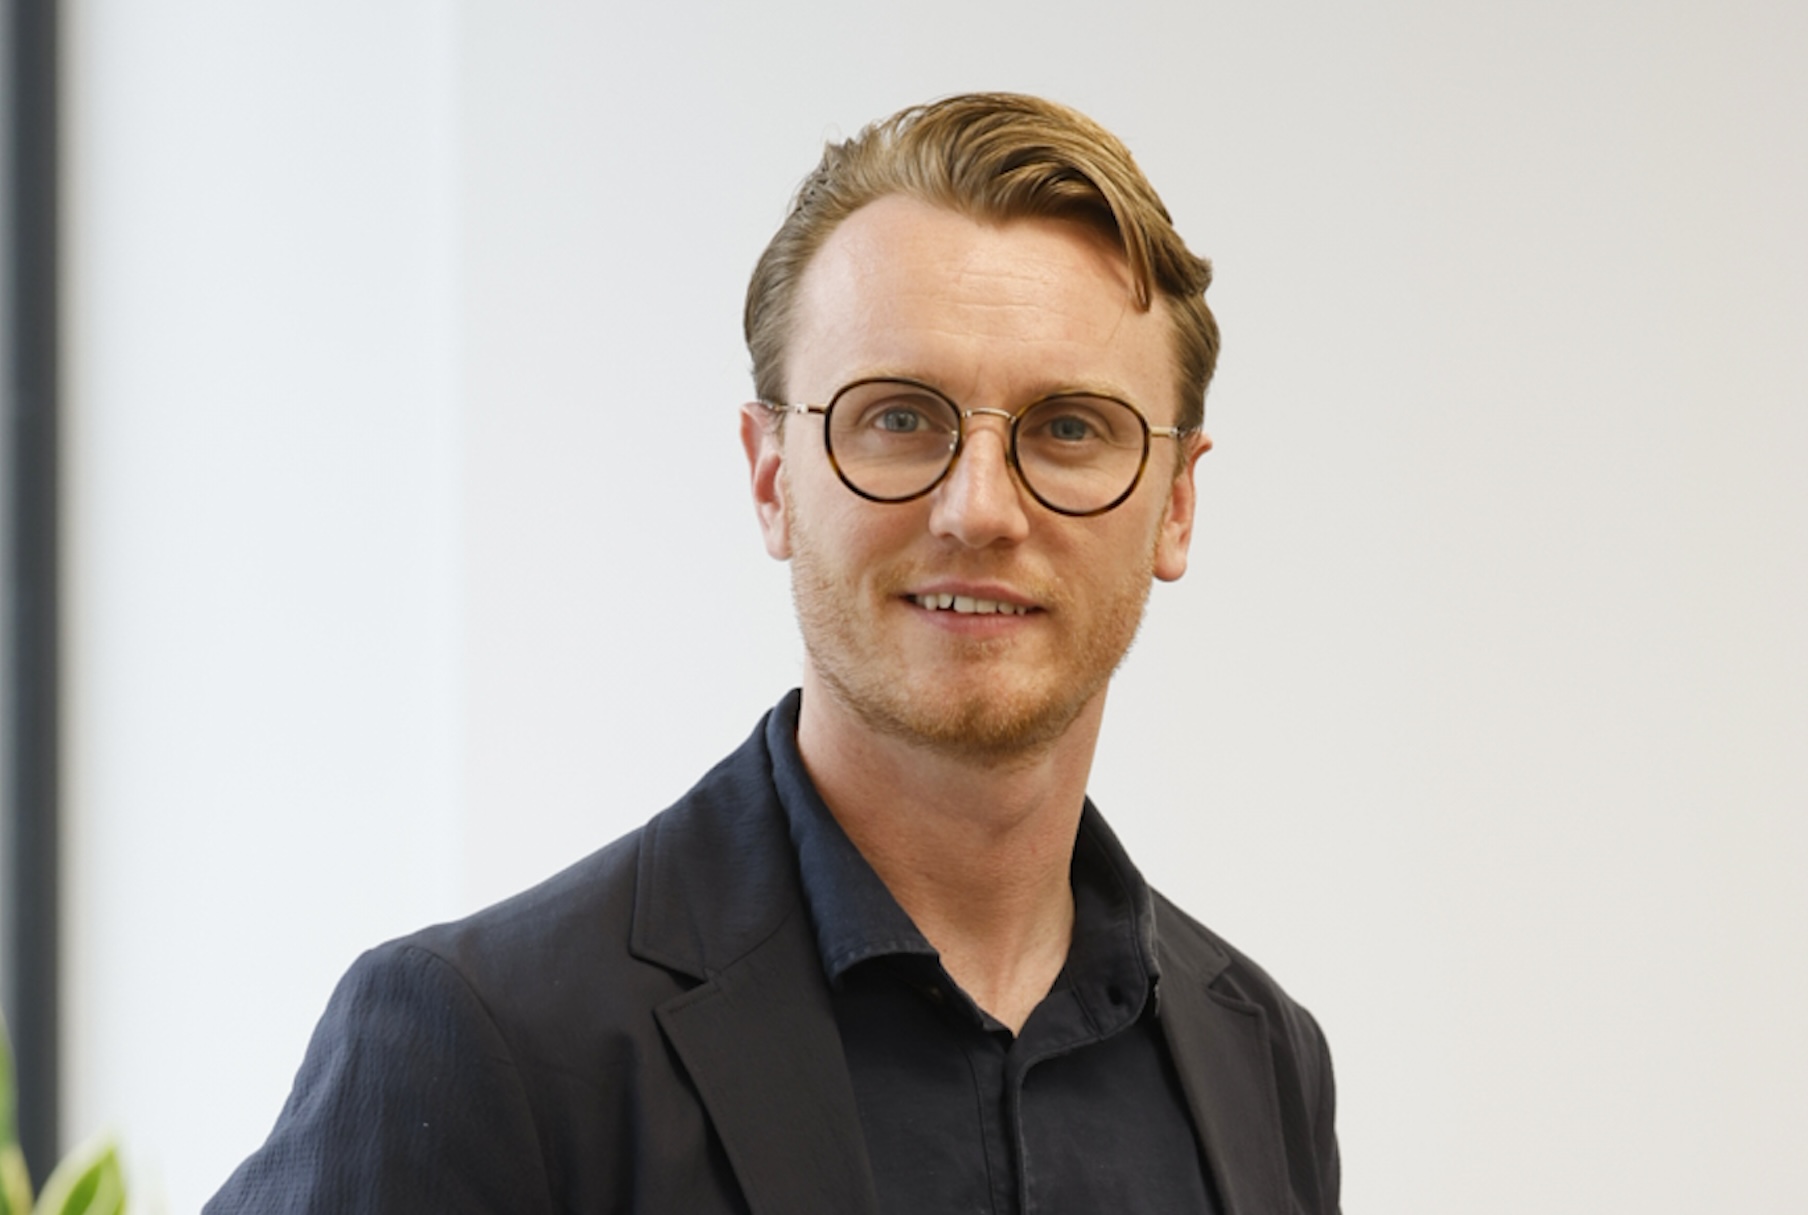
pixel 977 851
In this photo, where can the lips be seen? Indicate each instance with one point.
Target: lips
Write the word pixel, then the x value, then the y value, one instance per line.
pixel 968 605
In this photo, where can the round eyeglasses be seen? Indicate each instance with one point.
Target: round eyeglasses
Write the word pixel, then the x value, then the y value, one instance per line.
pixel 894 440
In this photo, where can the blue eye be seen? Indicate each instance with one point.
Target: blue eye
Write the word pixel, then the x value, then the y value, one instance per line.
pixel 899 420
pixel 1069 429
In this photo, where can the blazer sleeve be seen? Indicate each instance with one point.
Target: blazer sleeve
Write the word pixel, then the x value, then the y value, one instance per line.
pixel 1321 1094
pixel 408 1100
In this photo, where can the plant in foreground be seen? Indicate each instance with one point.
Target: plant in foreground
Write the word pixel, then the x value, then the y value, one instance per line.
pixel 87 1182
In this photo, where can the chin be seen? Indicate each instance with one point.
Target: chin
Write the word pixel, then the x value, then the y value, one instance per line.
pixel 992 721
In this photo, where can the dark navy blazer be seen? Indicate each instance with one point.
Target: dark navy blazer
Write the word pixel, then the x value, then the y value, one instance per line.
pixel 650 1031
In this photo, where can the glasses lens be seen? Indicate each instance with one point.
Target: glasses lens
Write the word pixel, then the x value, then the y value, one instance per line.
pixel 891 439
pixel 1081 454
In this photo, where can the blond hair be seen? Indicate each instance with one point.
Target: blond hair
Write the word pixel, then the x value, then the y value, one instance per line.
pixel 993 157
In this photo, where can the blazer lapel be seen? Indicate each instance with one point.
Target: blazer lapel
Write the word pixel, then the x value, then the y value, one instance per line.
pixel 759 1041
pixel 1220 1047
pixel 718 899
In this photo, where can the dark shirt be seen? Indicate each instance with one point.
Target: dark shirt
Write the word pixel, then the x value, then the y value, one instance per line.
pixel 1082 1112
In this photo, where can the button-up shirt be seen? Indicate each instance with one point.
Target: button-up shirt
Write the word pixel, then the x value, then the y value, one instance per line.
pixel 1081 1112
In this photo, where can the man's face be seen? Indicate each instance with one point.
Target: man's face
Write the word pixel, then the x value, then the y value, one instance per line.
pixel 995 316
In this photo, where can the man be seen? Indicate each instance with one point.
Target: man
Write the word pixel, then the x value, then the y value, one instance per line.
pixel 886 957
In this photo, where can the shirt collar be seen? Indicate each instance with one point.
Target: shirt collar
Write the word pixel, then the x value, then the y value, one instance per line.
pixel 856 917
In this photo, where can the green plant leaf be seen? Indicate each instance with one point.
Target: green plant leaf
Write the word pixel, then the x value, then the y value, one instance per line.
pixel 87 1182
pixel 15 1179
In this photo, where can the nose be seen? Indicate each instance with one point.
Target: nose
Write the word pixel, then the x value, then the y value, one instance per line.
pixel 979 502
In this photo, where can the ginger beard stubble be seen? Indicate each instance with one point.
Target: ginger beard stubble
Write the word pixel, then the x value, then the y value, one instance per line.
pixel 997 702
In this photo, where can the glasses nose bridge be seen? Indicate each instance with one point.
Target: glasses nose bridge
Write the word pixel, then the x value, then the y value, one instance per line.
pixel 1004 415
pixel 1006 437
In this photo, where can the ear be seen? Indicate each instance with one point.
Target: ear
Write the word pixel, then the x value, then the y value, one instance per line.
pixel 763 440
pixel 1176 534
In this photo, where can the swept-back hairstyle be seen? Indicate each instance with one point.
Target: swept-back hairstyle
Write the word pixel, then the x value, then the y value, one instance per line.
pixel 993 157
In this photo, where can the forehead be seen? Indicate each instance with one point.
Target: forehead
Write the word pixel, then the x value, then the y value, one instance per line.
pixel 1008 310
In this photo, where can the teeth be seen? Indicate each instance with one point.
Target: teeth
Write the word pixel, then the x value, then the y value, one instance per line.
pixel 967 605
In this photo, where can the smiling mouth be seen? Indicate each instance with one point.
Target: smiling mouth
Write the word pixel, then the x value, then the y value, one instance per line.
pixel 967 605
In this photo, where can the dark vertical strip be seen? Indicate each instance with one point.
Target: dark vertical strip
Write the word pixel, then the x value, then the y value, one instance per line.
pixel 32 886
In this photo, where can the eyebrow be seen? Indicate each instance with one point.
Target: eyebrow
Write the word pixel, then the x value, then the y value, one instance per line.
pixel 1065 389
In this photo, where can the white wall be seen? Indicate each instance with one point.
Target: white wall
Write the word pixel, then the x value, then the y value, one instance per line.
pixel 413 558
pixel 264 524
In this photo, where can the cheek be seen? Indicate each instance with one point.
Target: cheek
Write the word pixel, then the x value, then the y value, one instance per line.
pixel 828 530
pixel 811 480
pixel 868 551
pixel 1127 560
